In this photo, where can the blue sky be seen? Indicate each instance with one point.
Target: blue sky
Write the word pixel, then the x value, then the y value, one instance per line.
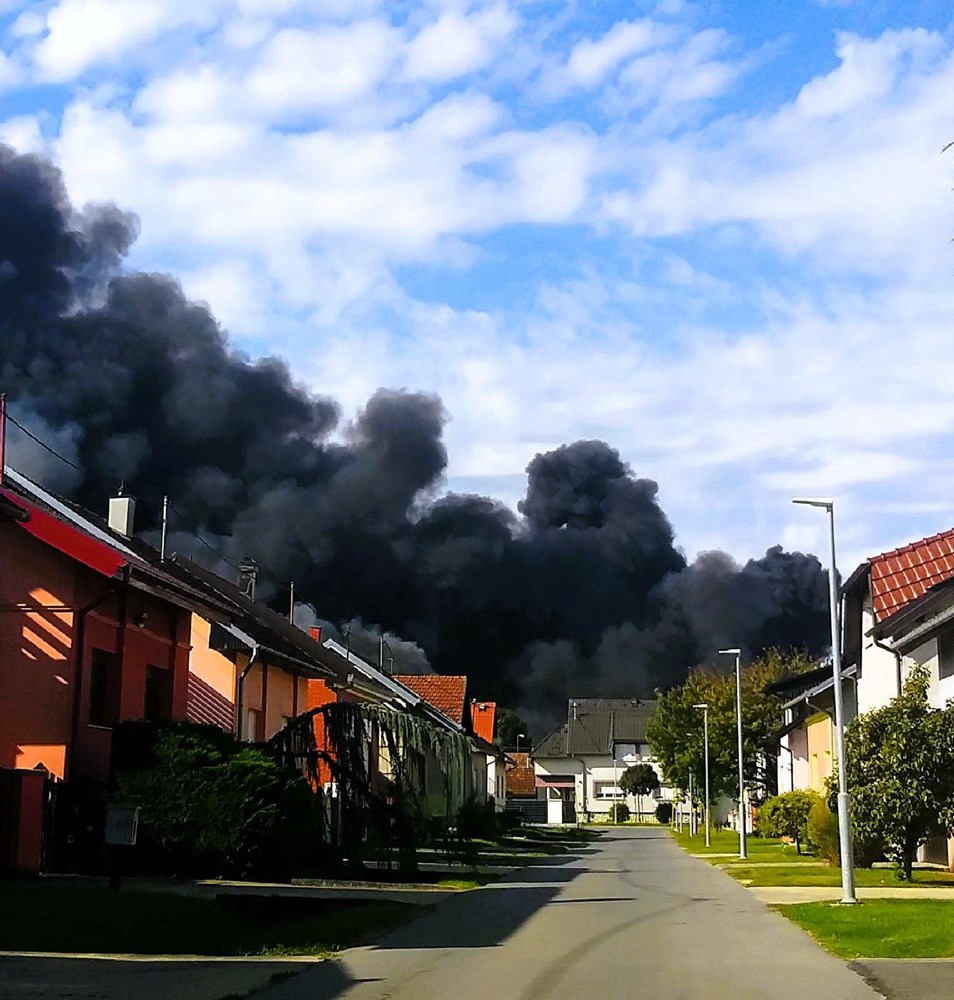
pixel 716 235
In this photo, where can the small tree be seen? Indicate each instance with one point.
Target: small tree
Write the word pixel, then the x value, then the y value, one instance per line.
pixel 639 779
pixel 664 813
pixel 899 772
pixel 786 815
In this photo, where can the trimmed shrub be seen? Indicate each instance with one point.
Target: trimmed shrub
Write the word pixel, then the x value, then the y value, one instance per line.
pixel 786 815
pixel 664 813
pixel 822 832
pixel 619 812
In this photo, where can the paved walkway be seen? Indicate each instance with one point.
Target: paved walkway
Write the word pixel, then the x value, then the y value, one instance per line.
pixel 631 915
pixel 824 893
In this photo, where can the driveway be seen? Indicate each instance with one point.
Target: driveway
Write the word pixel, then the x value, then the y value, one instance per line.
pixel 631 915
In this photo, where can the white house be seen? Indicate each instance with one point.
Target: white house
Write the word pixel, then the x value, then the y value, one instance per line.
pixel 577 767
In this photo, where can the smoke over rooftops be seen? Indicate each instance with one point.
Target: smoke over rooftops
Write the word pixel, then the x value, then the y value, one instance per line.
pixel 582 593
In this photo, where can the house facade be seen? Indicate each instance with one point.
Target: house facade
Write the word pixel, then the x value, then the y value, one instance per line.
pixel 92 635
pixel 578 766
pixel 897 612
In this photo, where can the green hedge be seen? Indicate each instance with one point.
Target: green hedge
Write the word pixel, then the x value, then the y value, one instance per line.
pixel 209 804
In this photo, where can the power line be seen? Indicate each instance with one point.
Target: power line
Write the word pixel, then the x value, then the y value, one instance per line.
pixel 151 499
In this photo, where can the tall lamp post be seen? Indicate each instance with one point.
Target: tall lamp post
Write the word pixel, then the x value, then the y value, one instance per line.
pixel 705 742
pixel 844 799
pixel 737 653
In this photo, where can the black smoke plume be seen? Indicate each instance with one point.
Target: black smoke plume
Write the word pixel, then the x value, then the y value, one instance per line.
pixel 582 592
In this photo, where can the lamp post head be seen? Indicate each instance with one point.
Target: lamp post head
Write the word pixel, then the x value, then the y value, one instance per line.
pixel 701 705
pixel 730 652
pixel 825 502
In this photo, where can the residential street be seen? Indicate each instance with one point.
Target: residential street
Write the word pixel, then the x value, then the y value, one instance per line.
pixel 629 916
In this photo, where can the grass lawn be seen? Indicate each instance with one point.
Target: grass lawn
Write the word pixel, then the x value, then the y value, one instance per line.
pixel 38 917
pixel 880 928
pixel 760 849
pixel 759 875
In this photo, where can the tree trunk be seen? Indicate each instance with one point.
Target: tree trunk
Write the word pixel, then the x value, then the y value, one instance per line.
pixel 910 849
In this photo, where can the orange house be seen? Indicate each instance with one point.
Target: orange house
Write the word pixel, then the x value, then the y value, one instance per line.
pixel 90 636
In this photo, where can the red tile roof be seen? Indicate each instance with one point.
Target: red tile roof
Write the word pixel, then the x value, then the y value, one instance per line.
pixel 445 692
pixel 903 575
pixel 520 777
pixel 482 717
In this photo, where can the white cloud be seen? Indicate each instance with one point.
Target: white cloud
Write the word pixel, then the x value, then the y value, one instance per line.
pixel 455 45
pixel 301 70
pixel 591 61
pixel 83 32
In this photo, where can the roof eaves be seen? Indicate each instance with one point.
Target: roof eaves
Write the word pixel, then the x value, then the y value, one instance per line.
pixel 820 688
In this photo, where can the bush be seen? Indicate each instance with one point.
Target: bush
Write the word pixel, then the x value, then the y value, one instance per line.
pixel 511 819
pixel 619 812
pixel 822 832
pixel 209 804
pixel 664 813
pixel 786 815
pixel 477 820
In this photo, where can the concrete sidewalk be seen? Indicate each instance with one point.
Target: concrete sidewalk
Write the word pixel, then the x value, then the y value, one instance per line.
pixel 824 894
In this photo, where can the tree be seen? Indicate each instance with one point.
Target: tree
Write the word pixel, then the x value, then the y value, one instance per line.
pixel 787 815
pixel 899 773
pixel 675 732
pixel 511 730
pixel 639 779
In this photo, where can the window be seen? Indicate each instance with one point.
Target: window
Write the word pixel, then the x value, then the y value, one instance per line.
pixel 103 688
pixel 623 750
pixel 156 701
pixel 254 729
pixel 607 790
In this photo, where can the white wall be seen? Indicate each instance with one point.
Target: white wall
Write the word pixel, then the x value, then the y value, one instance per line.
pixel 794 770
pixel 878 676
pixel 595 774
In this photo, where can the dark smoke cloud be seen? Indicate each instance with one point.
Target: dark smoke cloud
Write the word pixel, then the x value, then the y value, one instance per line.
pixel 582 592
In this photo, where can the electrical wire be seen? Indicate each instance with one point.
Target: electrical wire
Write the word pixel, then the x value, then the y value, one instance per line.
pixel 149 499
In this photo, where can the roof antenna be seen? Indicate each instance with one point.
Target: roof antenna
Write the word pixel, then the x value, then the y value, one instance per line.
pixel 165 525
pixel 3 433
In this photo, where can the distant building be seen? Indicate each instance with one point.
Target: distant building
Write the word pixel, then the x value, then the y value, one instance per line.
pixel 577 767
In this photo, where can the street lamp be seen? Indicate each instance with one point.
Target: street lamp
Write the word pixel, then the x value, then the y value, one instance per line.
pixel 520 736
pixel 705 740
pixel 844 800
pixel 737 653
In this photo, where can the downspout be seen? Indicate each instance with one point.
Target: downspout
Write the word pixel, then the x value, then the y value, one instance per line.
pixel 241 690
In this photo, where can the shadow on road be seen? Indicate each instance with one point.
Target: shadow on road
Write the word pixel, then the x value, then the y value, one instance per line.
pixel 33 978
pixel 482 918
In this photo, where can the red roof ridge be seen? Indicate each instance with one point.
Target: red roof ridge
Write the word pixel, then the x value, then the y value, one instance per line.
pixel 911 546
pixel 904 574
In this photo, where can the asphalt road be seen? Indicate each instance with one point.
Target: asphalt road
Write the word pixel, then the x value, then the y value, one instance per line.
pixel 630 916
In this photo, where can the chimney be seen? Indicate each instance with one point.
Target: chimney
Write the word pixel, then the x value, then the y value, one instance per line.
pixel 248 571
pixel 122 513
